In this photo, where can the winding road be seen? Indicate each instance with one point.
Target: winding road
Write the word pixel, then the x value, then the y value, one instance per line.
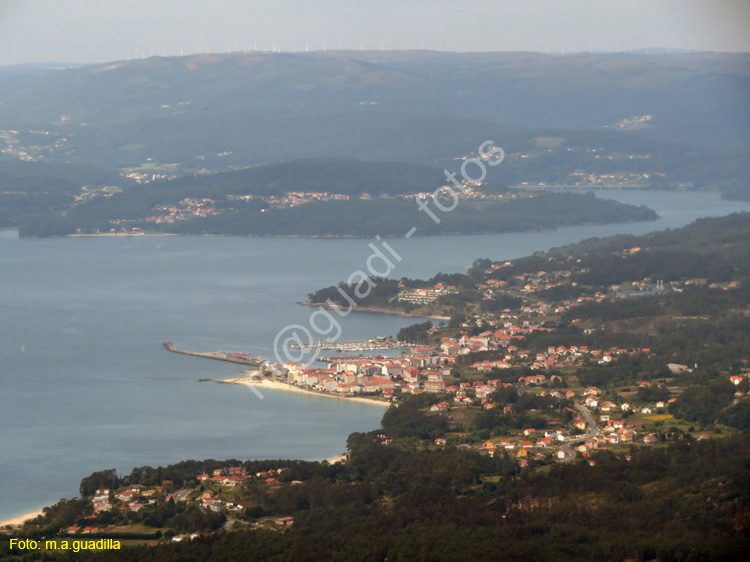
pixel 593 432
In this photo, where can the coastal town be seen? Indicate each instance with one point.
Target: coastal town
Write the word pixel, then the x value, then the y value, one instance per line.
pixel 566 421
pixel 628 417
pixel 486 361
pixel 38 146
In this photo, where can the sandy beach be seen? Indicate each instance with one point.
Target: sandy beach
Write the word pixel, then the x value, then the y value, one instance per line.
pixel 336 459
pixel 18 521
pixel 269 383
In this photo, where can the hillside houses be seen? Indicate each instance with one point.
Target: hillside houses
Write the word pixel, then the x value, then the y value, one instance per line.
pixel 424 369
pixel 425 296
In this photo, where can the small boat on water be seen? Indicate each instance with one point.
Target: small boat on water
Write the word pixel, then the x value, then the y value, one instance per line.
pixel 23 349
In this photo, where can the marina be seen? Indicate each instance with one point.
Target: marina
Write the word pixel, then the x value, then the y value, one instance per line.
pixel 367 345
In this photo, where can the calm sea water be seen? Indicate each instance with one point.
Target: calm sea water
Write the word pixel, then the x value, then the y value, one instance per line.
pixel 96 390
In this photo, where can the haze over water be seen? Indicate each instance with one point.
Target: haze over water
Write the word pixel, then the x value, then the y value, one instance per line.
pixel 96 390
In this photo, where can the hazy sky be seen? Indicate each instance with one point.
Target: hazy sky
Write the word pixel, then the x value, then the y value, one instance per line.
pixel 103 30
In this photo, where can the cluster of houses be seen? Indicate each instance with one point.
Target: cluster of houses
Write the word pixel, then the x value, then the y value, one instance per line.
pixel 616 431
pixel 88 193
pixel 633 122
pixel 208 500
pixel 295 198
pixel 425 370
pixel 531 439
pixel 425 296
pixel 420 371
pixel 554 358
pixel 187 209
pixel 607 407
pixel 537 444
pixel 147 177
pixel 531 282
pixel 13 147
pixel 132 498
pixel 101 501
pixel 235 476
pixel 580 178
pixel 356 374
pixel 190 208
pixel 135 496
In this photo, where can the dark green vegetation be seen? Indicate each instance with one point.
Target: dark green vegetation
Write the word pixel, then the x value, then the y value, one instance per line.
pixel 137 202
pixel 355 217
pixel 712 250
pixel 394 218
pixel 725 237
pixel 416 333
pixel 34 191
pixel 331 175
pixel 688 501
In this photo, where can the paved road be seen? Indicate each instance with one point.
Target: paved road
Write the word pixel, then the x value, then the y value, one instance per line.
pixel 593 432
pixel 181 496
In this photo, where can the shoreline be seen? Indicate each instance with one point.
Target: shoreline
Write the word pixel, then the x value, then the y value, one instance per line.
pixel 516 188
pixel 331 236
pixel 20 519
pixel 276 385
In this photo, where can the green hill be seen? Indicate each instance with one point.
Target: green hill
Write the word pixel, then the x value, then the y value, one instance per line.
pixel 333 175
pixel 34 188
pixel 241 204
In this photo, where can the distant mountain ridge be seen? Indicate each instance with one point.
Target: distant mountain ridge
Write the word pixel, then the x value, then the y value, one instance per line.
pixel 219 111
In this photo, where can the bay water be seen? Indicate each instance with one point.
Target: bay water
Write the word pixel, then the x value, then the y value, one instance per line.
pixel 86 385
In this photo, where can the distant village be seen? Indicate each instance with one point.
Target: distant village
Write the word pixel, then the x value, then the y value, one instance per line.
pixel 14 143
